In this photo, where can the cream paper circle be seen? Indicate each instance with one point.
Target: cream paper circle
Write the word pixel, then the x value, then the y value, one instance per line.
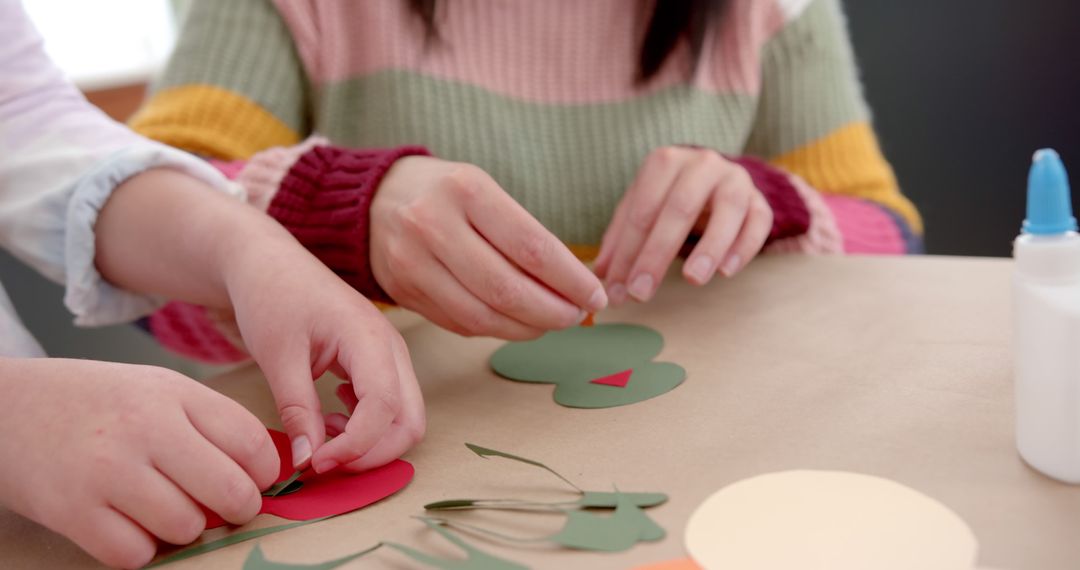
pixel 827 520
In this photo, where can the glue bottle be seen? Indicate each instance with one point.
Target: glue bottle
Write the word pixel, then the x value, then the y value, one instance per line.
pixel 1046 315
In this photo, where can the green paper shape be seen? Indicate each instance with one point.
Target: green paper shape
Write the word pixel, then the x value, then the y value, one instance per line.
pixel 601 499
pixel 286 487
pixel 588 500
pixel 573 357
pixel 256 560
pixel 229 541
pixel 586 531
pixel 476 559
pixel 486 452
pixel 627 526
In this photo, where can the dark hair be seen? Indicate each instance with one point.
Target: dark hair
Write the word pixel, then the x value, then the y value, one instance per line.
pixel 670 22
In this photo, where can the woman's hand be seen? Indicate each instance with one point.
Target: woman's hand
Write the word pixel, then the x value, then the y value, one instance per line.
pixel 450 244
pixel 680 190
pixel 113 455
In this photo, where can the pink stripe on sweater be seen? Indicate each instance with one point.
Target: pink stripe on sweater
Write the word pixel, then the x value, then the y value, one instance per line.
pixel 866 227
pixel 551 51
pixel 188 330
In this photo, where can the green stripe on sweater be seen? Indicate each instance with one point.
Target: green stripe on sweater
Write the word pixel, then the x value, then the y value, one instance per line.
pixel 810 84
pixel 567 164
pixel 242 46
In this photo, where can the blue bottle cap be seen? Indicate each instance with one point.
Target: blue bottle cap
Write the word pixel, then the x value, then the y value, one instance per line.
pixel 1049 202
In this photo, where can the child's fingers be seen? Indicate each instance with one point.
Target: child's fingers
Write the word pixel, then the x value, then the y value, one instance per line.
pixel 210 477
pixel 345 393
pixel 378 394
pixel 409 429
pixel 397 441
pixel 335 424
pixel 145 496
pixel 235 431
pixel 288 372
pixel 112 538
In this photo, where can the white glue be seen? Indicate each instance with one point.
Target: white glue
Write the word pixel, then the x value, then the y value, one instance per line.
pixel 1046 316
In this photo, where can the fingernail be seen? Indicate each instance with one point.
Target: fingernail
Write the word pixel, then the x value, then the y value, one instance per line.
pixel 598 300
pixel 700 269
pixel 325 465
pixel 731 265
pixel 617 294
pixel 301 450
pixel 641 287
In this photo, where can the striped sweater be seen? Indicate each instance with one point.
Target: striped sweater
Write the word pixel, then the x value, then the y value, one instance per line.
pixel 542 95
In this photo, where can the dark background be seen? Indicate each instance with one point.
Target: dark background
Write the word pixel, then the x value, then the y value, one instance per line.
pixel 963 92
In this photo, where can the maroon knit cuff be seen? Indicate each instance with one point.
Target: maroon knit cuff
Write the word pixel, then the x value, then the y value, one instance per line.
pixel 325 202
pixel 791 217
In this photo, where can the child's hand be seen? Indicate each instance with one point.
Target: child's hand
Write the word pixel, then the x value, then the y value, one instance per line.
pixel 676 190
pixel 450 244
pixel 113 455
pixel 298 320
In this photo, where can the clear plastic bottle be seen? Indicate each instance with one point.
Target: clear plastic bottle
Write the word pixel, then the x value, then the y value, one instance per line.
pixel 1046 316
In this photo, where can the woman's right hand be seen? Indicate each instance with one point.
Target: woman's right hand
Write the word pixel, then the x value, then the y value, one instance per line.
pixel 450 244
pixel 113 456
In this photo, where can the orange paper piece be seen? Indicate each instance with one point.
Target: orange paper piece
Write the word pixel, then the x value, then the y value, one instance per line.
pixel 618 379
pixel 589 321
pixel 331 493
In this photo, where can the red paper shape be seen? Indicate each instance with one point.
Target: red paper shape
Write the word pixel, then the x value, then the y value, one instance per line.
pixel 618 379
pixel 331 493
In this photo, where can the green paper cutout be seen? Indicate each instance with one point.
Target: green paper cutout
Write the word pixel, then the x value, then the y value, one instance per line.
pixel 487 452
pixel 586 531
pixel 601 499
pixel 588 500
pixel 572 358
pixel 288 486
pixel 257 561
pixel 627 526
pixel 229 541
pixel 583 530
pixel 476 559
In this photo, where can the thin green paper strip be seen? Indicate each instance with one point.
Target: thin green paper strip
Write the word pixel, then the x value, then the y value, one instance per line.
pixel 285 487
pixel 256 560
pixel 573 357
pixel 476 559
pixel 229 541
pixel 488 452
pixel 589 499
pixel 583 530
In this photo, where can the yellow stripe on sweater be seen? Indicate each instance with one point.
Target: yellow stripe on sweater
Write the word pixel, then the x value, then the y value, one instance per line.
pixel 848 161
pixel 212 122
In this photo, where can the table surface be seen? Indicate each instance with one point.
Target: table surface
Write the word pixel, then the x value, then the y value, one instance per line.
pixel 896 367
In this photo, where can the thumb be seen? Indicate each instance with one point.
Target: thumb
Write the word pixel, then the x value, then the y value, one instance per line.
pixel 298 406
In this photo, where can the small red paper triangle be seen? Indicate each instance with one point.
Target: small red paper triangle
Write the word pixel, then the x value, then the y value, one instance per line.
pixel 618 379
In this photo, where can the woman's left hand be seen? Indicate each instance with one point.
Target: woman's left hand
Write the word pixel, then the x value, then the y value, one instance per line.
pixel 680 190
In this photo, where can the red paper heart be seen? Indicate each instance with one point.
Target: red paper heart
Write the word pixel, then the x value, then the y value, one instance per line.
pixel 332 493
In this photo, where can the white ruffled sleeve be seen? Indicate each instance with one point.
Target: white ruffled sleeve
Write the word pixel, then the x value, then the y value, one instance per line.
pixel 60 160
